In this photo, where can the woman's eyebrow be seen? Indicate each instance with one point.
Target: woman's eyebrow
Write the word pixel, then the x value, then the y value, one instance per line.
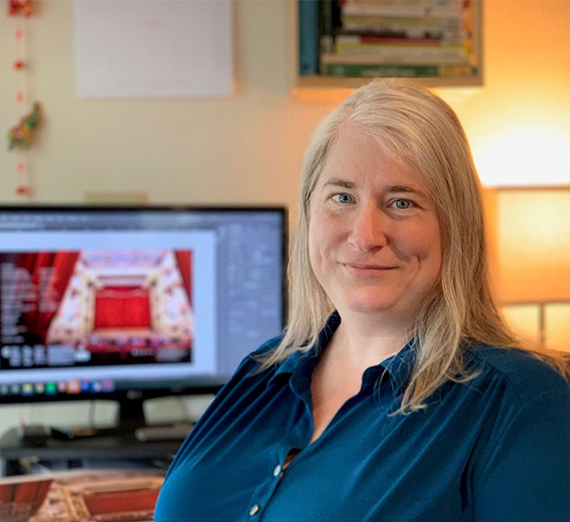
pixel 339 182
pixel 405 189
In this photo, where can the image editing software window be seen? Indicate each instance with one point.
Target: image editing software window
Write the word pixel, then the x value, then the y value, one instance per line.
pixel 94 300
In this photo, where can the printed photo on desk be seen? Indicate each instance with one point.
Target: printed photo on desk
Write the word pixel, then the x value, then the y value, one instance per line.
pixel 81 496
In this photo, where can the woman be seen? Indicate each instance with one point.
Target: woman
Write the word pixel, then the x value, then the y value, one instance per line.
pixel 397 392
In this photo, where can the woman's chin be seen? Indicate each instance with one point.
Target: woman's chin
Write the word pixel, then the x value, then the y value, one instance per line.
pixel 369 307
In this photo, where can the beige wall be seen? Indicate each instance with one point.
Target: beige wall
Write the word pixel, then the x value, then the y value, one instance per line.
pixel 247 149
pixel 244 149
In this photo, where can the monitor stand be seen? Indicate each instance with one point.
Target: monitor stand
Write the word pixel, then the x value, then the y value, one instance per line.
pixel 131 411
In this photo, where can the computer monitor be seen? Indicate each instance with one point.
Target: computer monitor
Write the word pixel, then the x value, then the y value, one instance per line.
pixel 133 303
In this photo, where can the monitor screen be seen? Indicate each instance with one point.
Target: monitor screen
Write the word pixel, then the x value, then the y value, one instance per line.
pixel 100 301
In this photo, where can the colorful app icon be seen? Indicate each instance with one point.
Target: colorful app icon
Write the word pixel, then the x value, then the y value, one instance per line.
pixel 40 387
pixel 62 387
pixel 85 386
pixel 97 386
pixel 73 386
pixel 27 389
pixel 51 388
pixel 108 385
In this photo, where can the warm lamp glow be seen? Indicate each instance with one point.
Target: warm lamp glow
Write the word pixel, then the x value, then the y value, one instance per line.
pixel 524 157
pixel 558 327
pixel 533 244
pixel 525 321
pixel 530 242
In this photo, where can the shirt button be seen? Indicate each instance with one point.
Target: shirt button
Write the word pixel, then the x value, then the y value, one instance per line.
pixel 254 509
pixel 277 470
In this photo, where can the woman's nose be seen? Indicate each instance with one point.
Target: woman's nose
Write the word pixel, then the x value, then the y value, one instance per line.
pixel 368 229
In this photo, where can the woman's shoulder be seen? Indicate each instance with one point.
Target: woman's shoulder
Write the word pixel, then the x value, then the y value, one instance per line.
pixel 267 347
pixel 519 371
pixel 254 360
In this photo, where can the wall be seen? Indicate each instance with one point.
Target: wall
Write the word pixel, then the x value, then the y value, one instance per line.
pixel 519 122
pixel 248 149
pixel 244 149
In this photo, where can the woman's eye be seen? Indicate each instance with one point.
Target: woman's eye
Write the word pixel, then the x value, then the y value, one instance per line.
pixel 343 198
pixel 402 204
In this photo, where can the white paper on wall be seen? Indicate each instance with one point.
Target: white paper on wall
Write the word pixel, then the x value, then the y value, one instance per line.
pixel 153 48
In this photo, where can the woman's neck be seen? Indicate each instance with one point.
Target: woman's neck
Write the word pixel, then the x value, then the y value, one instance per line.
pixel 366 341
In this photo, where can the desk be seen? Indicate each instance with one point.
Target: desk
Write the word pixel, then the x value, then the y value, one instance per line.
pixel 109 445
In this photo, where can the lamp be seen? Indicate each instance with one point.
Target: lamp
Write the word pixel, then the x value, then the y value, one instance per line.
pixel 530 260
pixel 526 155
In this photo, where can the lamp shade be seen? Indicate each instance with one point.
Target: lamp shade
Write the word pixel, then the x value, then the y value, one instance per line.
pixel 529 240
pixel 532 248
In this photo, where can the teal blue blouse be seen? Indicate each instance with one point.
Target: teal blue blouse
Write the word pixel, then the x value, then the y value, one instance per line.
pixel 493 449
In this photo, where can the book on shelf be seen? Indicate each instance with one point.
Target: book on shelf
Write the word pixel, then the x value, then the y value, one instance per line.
pixel 402 28
pixel 407 8
pixel 457 55
pixel 308 37
pixel 393 59
pixel 373 70
pixel 359 39
pixel 329 24
pixel 81 496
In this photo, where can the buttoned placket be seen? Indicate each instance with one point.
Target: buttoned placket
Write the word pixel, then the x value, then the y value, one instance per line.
pixel 301 387
pixel 298 436
pixel 263 494
pixel 301 432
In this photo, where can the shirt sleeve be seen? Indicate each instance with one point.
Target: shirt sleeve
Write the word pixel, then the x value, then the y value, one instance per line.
pixel 526 473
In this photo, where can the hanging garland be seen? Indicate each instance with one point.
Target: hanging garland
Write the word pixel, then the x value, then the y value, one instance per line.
pixel 20 6
pixel 20 136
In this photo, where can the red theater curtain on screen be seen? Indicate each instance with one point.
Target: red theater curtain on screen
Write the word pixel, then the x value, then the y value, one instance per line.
pixel 184 262
pixel 122 307
pixel 50 274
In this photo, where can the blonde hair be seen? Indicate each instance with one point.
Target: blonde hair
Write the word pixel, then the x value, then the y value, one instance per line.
pixel 415 126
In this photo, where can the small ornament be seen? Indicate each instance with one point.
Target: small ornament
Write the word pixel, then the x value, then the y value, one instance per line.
pixel 21 134
pixel 23 190
pixel 16 7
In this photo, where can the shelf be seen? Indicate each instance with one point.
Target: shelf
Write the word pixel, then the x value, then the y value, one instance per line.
pixel 325 88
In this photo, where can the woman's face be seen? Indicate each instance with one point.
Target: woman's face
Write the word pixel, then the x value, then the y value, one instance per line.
pixel 375 241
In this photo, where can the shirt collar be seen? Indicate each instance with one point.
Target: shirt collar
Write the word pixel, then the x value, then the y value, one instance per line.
pixel 399 366
pixel 298 358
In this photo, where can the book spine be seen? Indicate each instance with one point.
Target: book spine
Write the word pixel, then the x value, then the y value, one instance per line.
pixel 397 71
pixel 409 8
pixel 327 26
pixel 447 34
pixel 391 21
pixel 375 70
pixel 371 59
pixel 406 54
pixel 308 37
pixel 352 39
